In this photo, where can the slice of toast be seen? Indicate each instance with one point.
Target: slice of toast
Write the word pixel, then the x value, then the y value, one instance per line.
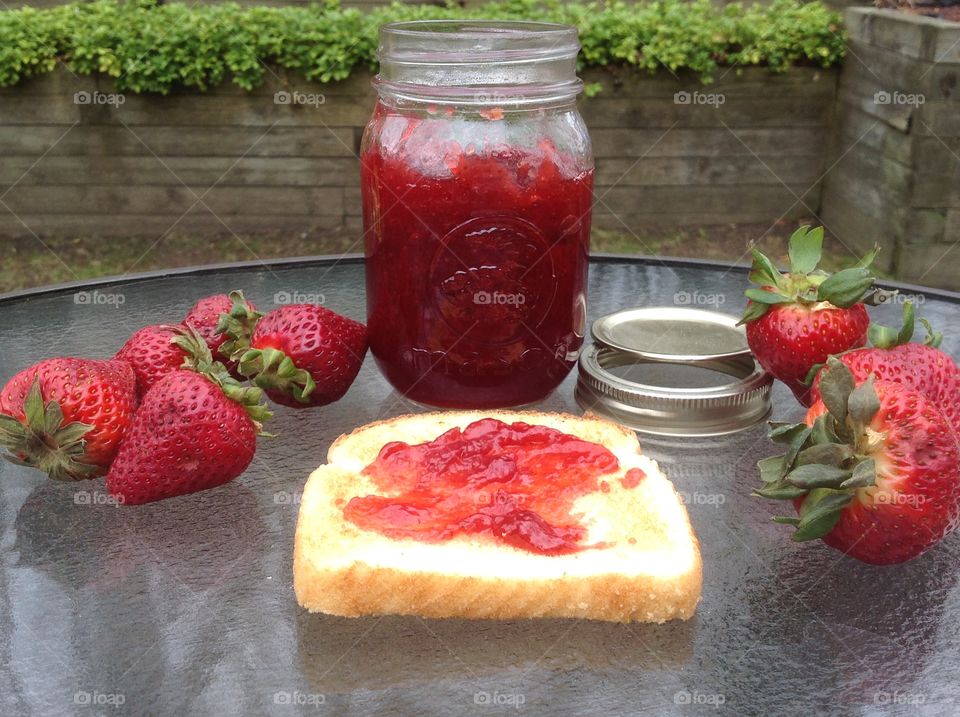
pixel 650 571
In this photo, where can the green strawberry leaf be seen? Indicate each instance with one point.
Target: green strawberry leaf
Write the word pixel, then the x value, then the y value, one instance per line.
pixel 817 475
pixel 753 312
pixel 785 432
pixel 805 249
pixel 762 296
pixel 863 403
pixel 822 431
pixel 795 445
pixel 197 356
pixel 869 257
pixel 845 288
pixel 771 469
pixel 52 417
pixel 72 434
pixel 864 475
pixel 779 491
pixel 11 429
pixel 836 385
pixel 238 326
pixel 933 338
pixel 763 271
pixel 831 454
pixel 44 441
pixel 786 519
pixel 271 368
pixel 33 408
pixel 812 374
pixel 819 513
pixel 883 337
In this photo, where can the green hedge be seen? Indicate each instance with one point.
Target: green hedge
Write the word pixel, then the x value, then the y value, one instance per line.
pixel 153 48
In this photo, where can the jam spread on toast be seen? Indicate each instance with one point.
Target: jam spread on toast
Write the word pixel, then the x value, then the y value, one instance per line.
pixel 515 483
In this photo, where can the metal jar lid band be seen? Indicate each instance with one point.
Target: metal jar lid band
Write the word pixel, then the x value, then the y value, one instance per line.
pixel 674 410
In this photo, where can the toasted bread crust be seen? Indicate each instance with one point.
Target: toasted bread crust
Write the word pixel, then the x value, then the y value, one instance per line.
pixel 327 581
pixel 365 590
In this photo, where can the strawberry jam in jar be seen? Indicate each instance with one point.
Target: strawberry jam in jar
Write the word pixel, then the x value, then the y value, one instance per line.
pixel 476 178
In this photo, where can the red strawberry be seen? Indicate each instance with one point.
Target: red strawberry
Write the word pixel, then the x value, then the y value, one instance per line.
pixel 211 316
pixel 874 471
pixel 66 416
pixel 920 366
pixel 195 429
pixel 153 353
pixel 796 320
pixel 791 338
pixel 305 355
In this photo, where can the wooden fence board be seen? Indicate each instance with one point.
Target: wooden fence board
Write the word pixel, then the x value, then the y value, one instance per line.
pixel 176 171
pixel 700 171
pixel 116 141
pixel 278 164
pixel 109 201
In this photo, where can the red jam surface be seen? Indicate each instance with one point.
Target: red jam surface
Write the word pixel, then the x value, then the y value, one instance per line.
pixel 476 261
pixel 632 478
pixel 515 483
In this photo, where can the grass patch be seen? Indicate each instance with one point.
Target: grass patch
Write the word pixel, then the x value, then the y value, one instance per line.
pixel 28 262
pixel 723 243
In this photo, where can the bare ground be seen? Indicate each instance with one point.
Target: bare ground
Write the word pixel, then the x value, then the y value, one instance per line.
pixel 29 262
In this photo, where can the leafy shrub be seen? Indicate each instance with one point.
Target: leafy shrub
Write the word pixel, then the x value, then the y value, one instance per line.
pixel 152 48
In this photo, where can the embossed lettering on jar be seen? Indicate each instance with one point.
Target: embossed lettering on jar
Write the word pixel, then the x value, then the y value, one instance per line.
pixel 477 180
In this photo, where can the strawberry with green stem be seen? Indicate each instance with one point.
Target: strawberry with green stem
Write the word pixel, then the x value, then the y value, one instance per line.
pixel 220 317
pixel 303 355
pixel 894 356
pixel 874 470
pixel 796 320
pixel 196 428
pixel 67 416
pixel 153 353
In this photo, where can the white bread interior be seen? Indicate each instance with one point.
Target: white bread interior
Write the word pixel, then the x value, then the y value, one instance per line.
pixel 652 572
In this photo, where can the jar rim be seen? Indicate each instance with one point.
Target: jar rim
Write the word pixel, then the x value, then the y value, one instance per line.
pixel 516 27
pixel 528 62
pixel 480 41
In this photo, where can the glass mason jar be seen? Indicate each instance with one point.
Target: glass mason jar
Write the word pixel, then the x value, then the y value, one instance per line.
pixel 477 176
